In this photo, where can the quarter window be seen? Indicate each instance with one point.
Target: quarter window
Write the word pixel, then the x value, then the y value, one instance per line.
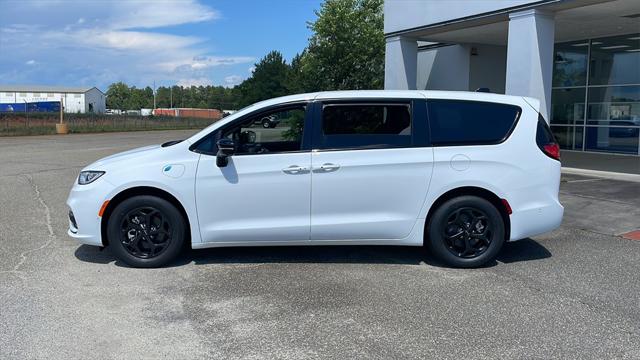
pixel 456 122
pixel 365 125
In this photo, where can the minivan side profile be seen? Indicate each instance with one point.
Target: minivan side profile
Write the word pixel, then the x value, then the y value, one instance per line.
pixel 458 172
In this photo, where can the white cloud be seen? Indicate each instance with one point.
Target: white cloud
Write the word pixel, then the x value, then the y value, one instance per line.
pixel 232 80
pixel 128 40
pixel 160 13
pixel 251 69
pixel 194 82
pixel 99 42
pixel 203 62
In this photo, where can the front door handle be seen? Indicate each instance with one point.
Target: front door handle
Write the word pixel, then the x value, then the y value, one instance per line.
pixel 295 169
pixel 327 167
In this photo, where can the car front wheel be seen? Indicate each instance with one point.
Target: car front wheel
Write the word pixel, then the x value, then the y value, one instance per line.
pixel 466 231
pixel 145 231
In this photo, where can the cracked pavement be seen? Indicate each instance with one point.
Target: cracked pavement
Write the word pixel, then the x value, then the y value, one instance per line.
pixel 572 293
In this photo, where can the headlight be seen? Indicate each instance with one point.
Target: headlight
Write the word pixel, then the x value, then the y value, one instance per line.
pixel 87 177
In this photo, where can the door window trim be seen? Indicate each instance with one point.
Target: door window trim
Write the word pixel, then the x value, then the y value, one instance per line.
pixel 305 145
pixel 418 120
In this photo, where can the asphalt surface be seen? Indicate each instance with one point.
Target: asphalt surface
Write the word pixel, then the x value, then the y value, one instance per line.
pixel 572 293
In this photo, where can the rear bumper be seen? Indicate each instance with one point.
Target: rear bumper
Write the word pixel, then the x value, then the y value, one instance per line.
pixel 535 221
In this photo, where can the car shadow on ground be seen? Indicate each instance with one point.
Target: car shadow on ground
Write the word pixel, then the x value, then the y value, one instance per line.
pixel 520 251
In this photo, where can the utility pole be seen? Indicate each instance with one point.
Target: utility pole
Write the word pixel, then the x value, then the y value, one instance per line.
pixel 171 96
pixel 154 94
pixel 26 111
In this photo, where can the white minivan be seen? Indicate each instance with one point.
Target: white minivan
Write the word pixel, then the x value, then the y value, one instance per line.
pixel 458 172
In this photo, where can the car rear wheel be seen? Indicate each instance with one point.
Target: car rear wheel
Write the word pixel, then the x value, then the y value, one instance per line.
pixel 466 231
pixel 146 231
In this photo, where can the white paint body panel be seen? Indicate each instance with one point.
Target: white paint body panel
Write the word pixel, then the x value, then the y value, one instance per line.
pixel 374 194
pixel 380 196
pixel 252 199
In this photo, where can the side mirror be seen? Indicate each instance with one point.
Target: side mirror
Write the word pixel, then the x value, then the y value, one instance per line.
pixel 226 148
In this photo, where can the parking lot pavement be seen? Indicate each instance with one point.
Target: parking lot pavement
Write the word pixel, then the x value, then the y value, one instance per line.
pixel 572 293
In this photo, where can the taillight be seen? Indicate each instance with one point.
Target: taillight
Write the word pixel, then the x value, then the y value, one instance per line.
pixel 552 150
pixel 546 141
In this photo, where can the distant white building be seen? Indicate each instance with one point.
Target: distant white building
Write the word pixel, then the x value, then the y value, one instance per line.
pixel 76 99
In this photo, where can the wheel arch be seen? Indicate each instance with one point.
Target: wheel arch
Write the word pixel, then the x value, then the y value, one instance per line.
pixel 142 190
pixel 480 192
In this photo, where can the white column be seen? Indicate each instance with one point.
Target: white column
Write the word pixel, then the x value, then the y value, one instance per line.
pixel 401 63
pixel 530 56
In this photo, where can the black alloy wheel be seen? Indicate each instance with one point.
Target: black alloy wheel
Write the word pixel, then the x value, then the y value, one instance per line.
pixel 465 231
pixel 468 232
pixel 146 231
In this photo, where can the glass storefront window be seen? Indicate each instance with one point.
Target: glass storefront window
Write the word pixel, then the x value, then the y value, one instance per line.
pixel 610 79
pixel 568 137
pixel 614 105
pixel 567 106
pixel 570 64
pixel 615 60
pixel 564 136
pixel 612 139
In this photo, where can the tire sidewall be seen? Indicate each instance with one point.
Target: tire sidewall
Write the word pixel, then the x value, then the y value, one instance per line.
pixel 167 209
pixel 437 244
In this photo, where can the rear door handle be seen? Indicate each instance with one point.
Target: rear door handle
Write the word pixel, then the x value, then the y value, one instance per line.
pixel 295 170
pixel 327 167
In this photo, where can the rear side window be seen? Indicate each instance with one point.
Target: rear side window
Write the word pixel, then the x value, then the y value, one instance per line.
pixel 365 125
pixel 544 135
pixel 457 122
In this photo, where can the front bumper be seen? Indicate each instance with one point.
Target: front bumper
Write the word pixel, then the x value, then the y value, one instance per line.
pixel 84 203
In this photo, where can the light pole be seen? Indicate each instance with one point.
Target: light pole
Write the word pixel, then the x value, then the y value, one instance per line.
pixel 26 111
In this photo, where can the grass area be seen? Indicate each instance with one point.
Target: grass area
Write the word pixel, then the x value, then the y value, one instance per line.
pixel 45 123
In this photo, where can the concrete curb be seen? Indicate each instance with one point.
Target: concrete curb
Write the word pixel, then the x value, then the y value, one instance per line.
pixel 602 174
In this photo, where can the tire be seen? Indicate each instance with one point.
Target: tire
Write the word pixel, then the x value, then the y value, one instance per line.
pixel 266 123
pixel 453 238
pixel 154 240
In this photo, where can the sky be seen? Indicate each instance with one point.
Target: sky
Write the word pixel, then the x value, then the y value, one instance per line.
pixel 182 42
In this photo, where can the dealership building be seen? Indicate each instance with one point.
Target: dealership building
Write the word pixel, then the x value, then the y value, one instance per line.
pixel 75 99
pixel 581 58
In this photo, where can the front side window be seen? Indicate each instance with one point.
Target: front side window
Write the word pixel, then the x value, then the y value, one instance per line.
pixel 365 125
pixel 276 131
pixel 458 122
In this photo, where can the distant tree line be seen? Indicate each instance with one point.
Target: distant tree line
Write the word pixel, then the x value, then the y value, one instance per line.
pixel 345 52
pixel 123 97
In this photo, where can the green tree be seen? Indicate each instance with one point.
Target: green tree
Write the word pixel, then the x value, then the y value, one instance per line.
pixel 346 50
pixel 269 80
pixel 118 95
